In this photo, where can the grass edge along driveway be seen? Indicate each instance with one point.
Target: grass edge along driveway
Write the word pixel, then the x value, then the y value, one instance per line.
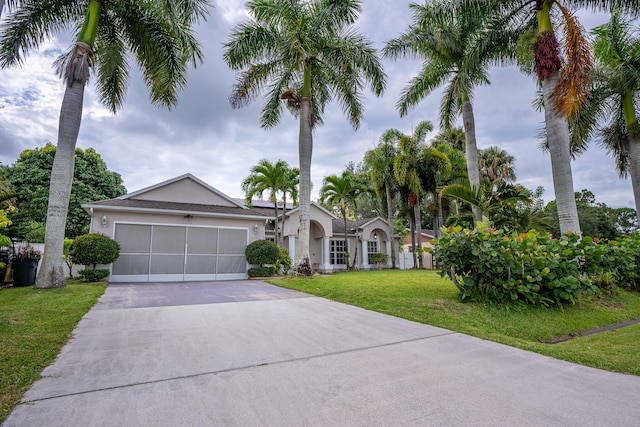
pixel 422 296
pixel 34 326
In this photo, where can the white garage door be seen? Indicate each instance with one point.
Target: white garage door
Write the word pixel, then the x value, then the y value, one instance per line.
pixel 152 253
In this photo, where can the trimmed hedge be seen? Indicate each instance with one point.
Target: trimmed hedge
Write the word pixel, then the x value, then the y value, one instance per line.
pixel 93 275
pixel 261 252
pixel 93 249
pixel 260 271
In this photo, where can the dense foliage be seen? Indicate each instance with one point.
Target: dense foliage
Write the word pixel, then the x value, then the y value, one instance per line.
pixel 93 275
pixel 488 263
pixel 93 249
pixel 262 252
pixel 30 176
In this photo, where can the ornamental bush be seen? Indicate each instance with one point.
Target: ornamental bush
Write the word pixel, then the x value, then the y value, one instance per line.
pixel 261 252
pixel 487 263
pixel 260 272
pixel 284 261
pixel 622 259
pixel 93 275
pixel 94 248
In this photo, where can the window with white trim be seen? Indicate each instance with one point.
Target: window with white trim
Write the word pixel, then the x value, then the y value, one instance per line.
pixel 336 252
pixel 372 248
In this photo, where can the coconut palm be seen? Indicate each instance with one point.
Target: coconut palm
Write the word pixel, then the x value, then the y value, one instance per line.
pixel 272 178
pixel 611 111
pixel 342 192
pixel 380 162
pixel 496 164
pixel 563 87
pixel 457 52
pixel 307 53
pixel 160 36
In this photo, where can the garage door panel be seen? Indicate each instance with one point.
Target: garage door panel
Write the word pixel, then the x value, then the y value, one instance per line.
pixel 166 264
pixel 177 253
pixel 201 264
pixel 232 242
pixel 134 238
pixel 232 264
pixel 131 264
pixel 202 240
pixel 168 240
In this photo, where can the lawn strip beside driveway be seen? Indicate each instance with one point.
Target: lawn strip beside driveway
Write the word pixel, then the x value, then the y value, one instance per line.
pixel 291 359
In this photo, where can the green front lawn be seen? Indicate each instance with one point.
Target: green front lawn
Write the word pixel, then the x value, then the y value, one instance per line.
pixel 34 325
pixel 424 297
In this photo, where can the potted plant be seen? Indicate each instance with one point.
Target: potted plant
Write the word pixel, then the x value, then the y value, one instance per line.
pixel 379 259
pixel 24 265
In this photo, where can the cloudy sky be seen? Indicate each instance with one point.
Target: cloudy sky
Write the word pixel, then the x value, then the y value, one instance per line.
pixel 203 135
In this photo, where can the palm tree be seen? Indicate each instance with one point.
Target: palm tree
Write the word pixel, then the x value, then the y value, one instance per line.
pixel 488 197
pixel 268 177
pixel 612 103
pixel 416 167
pixel 457 52
pixel 496 164
pixel 342 192
pixel 563 87
pixel 160 36
pixel 290 184
pixel 380 162
pixel 307 53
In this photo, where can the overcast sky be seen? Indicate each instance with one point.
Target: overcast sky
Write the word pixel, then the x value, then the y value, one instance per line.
pixel 203 135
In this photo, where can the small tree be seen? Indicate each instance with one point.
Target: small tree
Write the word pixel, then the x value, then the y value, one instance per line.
pixel 93 249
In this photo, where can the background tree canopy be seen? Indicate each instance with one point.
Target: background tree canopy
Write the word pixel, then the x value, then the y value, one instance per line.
pixel 30 176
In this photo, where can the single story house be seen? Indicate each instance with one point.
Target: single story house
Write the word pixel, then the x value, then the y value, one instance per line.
pixel 183 229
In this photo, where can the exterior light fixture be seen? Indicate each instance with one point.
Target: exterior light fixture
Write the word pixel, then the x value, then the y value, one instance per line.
pixel 255 229
pixel 375 235
pixel 103 220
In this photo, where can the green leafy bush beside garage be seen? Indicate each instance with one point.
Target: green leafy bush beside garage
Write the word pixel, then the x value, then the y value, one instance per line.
pixel 264 254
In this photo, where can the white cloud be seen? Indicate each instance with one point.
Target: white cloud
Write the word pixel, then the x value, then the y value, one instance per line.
pixel 205 136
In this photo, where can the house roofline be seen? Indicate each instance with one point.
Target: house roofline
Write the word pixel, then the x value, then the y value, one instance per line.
pixel 179 178
pixel 88 207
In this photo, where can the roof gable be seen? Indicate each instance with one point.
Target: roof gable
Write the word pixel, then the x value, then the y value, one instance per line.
pixel 184 189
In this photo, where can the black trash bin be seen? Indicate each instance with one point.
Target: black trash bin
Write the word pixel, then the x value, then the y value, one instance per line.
pixel 24 271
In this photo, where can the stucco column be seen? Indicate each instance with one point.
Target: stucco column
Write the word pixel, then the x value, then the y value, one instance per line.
pixel 292 247
pixel 326 265
pixel 365 255
pixel 387 245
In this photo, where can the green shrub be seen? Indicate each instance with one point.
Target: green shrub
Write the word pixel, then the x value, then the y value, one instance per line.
pixel 260 271
pixel 379 258
pixel 93 275
pixel 284 260
pixel 622 259
pixel 261 252
pixel 93 249
pixel 486 263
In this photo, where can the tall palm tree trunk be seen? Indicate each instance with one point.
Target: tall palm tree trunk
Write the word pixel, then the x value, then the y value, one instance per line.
pixel 471 151
pixel 51 272
pixel 634 170
pixel 73 67
pixel 305 147
pixel 275 222
pixel 559 151
pixel 390 223
pixel 416 209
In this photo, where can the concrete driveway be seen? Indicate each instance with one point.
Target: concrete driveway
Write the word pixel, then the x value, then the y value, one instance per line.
pixel 246 353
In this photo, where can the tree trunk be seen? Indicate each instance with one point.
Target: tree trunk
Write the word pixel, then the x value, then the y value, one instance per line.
pixel 275 205
pixel 390 222
pixel 416 208
pixel 412 230
pixel 51 273
pixel 634 171
pixel 305 147
pixel 559 150
pixel 471 152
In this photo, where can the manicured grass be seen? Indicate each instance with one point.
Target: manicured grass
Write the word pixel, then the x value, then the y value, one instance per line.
pixel 424 297
pixel 34 325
